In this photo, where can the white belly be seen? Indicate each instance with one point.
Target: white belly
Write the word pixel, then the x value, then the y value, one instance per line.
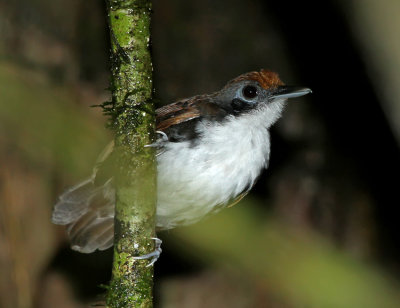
pixel 195 181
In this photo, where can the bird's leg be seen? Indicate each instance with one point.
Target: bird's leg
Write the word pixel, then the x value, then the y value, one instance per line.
pixel 154 255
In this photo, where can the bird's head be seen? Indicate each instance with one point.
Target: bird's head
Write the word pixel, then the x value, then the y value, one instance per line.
pixel 260 93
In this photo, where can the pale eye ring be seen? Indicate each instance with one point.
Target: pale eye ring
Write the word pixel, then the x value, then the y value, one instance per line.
pixel 249 92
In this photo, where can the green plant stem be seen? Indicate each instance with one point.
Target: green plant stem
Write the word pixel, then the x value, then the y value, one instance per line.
pixel 133 119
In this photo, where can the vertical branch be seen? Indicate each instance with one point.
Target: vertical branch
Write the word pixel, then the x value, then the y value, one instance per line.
pixel 132 114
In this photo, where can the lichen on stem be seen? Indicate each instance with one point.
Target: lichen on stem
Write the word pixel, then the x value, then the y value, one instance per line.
pixel 132 117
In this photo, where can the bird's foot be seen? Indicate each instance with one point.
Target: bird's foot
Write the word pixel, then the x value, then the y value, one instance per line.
pixel 154 255
pixel 159 142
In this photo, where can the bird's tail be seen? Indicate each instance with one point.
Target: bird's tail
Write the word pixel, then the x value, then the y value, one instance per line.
pixel 88 213
pixel 87 209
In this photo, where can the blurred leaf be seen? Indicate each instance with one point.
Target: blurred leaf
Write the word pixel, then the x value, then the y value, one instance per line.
pixel 41 121
pixel 298 264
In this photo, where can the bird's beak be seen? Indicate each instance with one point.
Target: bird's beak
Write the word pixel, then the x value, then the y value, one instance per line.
pixel 289 91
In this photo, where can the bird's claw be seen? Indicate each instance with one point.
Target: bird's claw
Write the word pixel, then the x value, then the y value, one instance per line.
pixel 159 142
pixel 154 255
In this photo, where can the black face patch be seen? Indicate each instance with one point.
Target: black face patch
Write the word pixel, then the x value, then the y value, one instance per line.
pixel 239 106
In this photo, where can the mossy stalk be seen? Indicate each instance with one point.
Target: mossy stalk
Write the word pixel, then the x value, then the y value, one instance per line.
pixel 133 119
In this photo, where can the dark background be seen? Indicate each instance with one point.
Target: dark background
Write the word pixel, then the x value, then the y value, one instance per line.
pixel 328 197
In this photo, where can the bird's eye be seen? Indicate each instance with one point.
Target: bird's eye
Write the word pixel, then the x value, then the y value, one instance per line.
pixel 249 92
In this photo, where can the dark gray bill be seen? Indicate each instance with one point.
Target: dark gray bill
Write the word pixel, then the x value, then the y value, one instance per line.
pixel 289 91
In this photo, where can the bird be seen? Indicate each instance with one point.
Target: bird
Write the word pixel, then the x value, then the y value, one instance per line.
pixel 211 149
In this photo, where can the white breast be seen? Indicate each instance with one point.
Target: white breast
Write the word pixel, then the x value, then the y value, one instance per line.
pixel 194 181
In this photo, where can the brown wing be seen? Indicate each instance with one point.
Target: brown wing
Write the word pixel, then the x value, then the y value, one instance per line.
pixel 186 110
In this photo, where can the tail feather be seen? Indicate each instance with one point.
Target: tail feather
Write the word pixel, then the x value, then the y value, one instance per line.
pixel 98 235
pixel 74 202
pixel 107 244
pixel 88 212
pixel 87 209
